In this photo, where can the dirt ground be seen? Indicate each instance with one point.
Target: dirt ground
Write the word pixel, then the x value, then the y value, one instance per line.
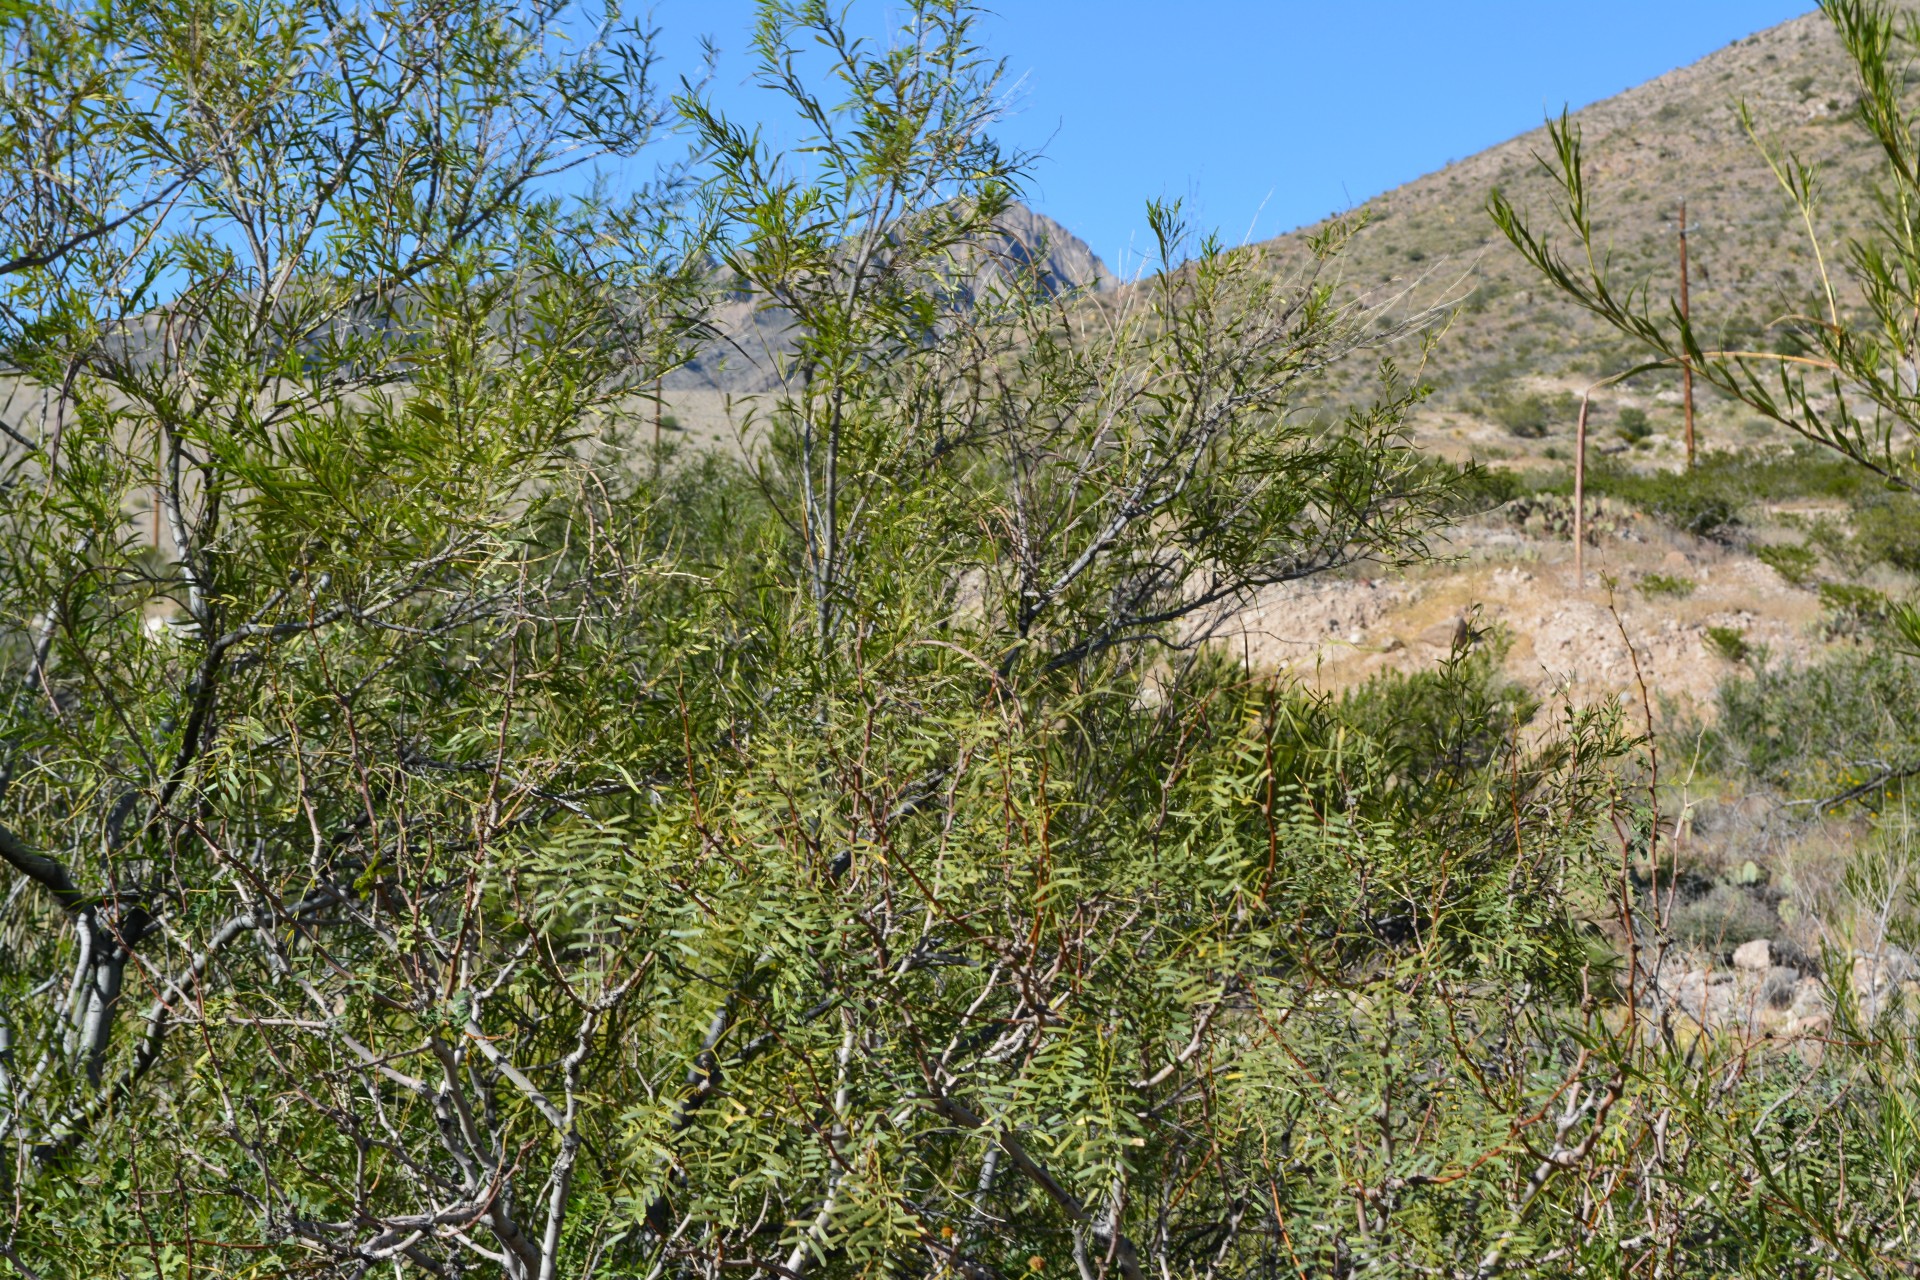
pixel 1561 638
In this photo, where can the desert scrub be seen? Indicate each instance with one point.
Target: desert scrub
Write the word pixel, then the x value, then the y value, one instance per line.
pixel 1818 730
pixel 1853 612
pixel 1721 916
pixel 1886 530
pixel 1714 499
pixel 1548 514
pixel 1729 643
pixel 1794 561
pixel 1663 584
pixel 1633 424
pixel 1532 415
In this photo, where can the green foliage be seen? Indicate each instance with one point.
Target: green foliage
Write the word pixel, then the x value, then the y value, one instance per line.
pixel 1476 489
pixel 1722 917
pixel 1886 530
pixel 1853 610
pixel 1730 643
pixel 1820 730
pixel 1793 561
pixel 1663 584
pixel 473 844
pixel 1532 415
pixel 1634 425
pixel 1722 489
pixel 1548 513
pixel 1704 503
pixel 1436 727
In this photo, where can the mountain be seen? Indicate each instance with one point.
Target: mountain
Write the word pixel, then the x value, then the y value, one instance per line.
pixel 1030 240
pixel 1514 350
pixel 753 336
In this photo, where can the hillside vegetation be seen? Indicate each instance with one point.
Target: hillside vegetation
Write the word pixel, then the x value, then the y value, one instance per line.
pixel 1515 349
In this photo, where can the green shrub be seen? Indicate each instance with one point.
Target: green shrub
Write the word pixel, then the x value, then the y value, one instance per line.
pixel 1634 424
pixel 1533 415
pixel 1476 489
pixel 1699 504
pixel 1793 561
pixel 1730 643
pixel 1661 584
pixel 1853 612
pixel 1722 918
pixel 1886 530
pixel 1440 721
pixel 1816 730
pixel 1715 496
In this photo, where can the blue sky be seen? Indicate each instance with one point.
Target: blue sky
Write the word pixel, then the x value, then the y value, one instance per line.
pixel 1272 113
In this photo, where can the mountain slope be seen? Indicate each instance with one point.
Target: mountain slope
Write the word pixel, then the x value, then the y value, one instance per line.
pixel 1512 351
pixel 753 337
pixel 1679 137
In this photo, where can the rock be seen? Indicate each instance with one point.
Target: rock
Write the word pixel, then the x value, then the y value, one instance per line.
pixel 1755 956
pixel 1875 970
pixel 1674 560
pixel 1445 635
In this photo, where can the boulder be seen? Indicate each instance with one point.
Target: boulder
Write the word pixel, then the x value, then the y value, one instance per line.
pixel 1445 635
pixel 1755 956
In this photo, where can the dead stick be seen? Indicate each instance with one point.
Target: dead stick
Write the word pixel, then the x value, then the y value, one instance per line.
pixel 1580 496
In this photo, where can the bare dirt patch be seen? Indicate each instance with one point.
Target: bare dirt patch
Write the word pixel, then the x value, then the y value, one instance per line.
pixel 1560 639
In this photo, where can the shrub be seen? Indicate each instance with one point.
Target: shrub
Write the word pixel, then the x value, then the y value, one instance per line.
pixel 1634 424
pixel 1817 729
pixel 1712 499
pixel 1793 561
pixel 1729 643
pixel 1437 723
pixel 528 864
pixel 1886 530
pixel 1722 918
pixel 1533 415
pixel 1661 584
pixel 1853 611
pixel 1476 489
pixel 1703 505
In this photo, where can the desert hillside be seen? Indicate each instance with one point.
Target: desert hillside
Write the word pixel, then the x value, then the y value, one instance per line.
pixel 1514 355
pixel 1677 138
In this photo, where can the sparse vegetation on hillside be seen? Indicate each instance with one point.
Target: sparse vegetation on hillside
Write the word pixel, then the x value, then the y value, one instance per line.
pixel 1677 138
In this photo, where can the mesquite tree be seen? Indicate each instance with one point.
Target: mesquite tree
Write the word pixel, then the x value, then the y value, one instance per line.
pixel 451 846
pixel 302 351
